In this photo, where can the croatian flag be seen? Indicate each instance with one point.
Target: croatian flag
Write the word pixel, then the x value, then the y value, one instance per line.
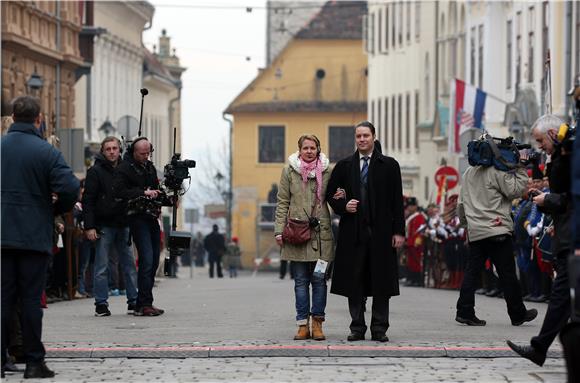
pixel 469 108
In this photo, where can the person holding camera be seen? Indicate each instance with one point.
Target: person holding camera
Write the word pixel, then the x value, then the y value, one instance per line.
pixel 553 137
pixel 37 184
pixel 301 196
pixel 372 226
pixel 106 226
pixel 136 183
pixel 485 208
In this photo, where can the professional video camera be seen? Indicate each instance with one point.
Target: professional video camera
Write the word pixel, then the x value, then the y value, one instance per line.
pixel 501 153
pixel 176 172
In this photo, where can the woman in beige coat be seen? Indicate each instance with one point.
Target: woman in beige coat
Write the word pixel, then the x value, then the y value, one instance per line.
pixel 301 194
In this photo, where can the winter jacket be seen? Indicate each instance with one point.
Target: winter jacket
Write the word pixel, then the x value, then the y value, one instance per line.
pixel 100 207
pixel 132 179
pixel 558 203
pixel 296 201
pixel 485 200
pixel 31 171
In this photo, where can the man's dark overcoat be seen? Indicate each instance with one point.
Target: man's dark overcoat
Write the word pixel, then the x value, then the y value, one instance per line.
pixel 387 218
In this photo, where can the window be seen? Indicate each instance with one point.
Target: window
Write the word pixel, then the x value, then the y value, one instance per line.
pixel 531 27
pixel 416 119
pixel 380 31
pixel 545 44
pixel 386 126
pixel 340 142
pixel 379 122
pixel 393 115
pixel 577 38
pixel 400 123
pixel 408 21
pixel 387 26
pixel 393 26
pixel 400 23
pixel 417 20
pixel 408 121
pixel 472 57
pixel 508 54
pixel 372 110
pixel 271 144
pixel 369 33
pixel 480 57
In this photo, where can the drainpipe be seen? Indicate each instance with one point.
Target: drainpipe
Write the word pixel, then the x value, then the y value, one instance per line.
pixel 230 197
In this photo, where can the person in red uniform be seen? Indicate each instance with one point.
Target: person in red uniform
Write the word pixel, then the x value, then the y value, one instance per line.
pixel 415 223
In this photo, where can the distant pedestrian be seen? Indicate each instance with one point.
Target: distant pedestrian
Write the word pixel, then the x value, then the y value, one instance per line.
pixel 36 184
pixel 214 244
pixel 372 226
pixel 301 196
pixel 232 259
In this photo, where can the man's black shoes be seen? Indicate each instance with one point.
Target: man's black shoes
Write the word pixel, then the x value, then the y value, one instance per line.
pixel 355 336
pixel 380 337
pixel 37 371
pixel 473 321
pixel 529 353
pixel 530 315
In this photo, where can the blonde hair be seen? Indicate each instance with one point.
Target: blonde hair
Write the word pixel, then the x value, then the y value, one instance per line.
pixel 310 137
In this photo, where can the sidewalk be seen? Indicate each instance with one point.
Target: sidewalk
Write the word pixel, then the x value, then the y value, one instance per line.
pixel 254 316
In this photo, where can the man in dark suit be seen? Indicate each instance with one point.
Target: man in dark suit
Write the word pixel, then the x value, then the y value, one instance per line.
pixel 215 245
pixel 36 184
pixel 372 225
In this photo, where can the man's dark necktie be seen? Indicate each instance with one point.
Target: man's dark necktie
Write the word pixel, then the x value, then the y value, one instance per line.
pixel 364 173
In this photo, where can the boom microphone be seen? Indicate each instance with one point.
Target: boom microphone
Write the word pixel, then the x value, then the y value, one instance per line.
pixel 144 92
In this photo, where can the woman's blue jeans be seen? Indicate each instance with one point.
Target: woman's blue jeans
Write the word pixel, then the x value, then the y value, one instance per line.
pixel 303 278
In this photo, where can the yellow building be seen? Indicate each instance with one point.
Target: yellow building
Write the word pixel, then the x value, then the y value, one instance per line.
pixel 316 85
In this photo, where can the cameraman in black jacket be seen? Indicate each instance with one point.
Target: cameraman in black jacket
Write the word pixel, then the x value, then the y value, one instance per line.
pixel 136 182
pixel 106 225
pixel 557 203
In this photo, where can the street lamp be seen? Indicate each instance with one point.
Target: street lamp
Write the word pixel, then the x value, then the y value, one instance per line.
pixel 34 83
pixel 106 129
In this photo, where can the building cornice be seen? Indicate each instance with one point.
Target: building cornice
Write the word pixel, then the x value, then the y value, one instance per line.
pixel 300 106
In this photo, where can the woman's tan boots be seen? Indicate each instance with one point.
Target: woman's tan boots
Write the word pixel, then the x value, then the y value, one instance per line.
pixel 303 332
pixel 317 333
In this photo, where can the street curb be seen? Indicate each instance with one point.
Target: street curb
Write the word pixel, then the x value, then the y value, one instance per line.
pixel 284 351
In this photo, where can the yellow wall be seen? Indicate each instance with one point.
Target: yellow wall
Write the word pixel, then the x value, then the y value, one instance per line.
pixel 345 79
pixel 344 64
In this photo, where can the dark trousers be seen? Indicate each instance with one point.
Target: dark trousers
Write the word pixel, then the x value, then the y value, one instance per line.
pixel 24 277
pixel 380 315
pixel 558 309
pixel 147 238
pixel 500 250
pixel 357 301
pixel 215 261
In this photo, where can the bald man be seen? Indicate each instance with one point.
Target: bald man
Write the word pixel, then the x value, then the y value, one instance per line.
pixel 136 182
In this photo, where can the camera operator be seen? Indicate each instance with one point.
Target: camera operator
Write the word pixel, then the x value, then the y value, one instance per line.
pixel 485 206
pixel 106 226
pixel 558 204
pixel 136 182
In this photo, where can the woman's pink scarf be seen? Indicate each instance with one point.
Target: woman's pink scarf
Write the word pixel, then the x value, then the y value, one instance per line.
pixel 306 168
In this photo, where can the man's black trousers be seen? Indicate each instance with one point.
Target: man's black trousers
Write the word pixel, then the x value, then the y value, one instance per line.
pixel 24 277
pixel 501 252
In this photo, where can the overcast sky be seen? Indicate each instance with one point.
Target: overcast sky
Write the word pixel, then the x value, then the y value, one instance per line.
pixel 222 46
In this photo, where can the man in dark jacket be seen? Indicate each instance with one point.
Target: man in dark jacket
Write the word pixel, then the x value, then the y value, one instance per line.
pixel 36 184
pixel 372 224
pixel 106 225
pixel 557 203
pixel 136 183
pixel 215 245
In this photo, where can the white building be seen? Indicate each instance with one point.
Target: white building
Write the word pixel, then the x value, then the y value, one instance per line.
pixel 113 85
pixel 499 47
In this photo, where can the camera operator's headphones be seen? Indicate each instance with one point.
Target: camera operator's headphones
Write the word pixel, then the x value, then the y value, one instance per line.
pixel 564 133
pixel 131 147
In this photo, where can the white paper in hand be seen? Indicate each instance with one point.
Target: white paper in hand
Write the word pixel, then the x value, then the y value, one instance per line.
pixel 320 268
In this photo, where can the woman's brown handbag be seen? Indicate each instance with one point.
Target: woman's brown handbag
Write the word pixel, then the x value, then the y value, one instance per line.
pixel 296 231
